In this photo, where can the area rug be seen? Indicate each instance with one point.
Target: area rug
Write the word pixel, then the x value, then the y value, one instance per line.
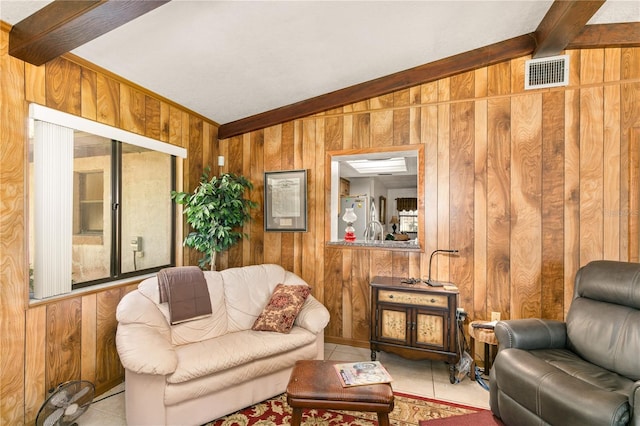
pixel 481 418
pixel 408 411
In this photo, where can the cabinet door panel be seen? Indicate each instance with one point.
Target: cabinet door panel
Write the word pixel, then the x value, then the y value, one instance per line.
pixel 430 329
pixel 392 324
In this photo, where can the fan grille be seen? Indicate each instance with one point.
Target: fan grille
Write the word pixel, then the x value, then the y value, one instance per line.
pixel 547 72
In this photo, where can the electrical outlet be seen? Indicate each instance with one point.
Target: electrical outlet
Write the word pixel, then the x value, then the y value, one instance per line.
pixel 495 316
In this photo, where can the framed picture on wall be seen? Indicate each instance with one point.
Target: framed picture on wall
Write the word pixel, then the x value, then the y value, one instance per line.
pixel 285 201
pixel 383 209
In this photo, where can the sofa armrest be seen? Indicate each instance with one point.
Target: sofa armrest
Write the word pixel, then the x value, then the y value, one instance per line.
pixel 531 333
pixel 313 316
pixel 145 351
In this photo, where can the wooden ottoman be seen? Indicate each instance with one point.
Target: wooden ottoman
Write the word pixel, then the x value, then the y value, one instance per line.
pixel 315 384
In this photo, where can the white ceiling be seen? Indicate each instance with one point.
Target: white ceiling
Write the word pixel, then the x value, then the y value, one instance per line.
pixel 228 60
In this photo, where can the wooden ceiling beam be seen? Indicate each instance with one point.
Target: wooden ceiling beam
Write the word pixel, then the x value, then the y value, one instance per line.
pixel 463 62
pixel 607 35
pixel 63 25
pixel 562 23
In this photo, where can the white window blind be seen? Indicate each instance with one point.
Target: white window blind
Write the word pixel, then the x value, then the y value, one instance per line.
pixel 53 216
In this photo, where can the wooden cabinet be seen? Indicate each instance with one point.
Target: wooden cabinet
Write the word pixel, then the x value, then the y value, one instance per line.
pixel 415 321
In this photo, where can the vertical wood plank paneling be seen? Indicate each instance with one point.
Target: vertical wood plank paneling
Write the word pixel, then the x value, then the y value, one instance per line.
pixel 34 86
pixel 480 208
pixel 152 125
pixel 591 178
pixel 346 307
pixel 247 171
pixel 381 128
pixel 461 181
pixel 399 264
pixel 630 63
pixel 517 74
pixel 463 86
pixel 257 195
pixel 526 221
pixel 89 336
pixel 333 290
pixel 108 93
pixel 553 132
pixel 381 263
pixel 12 236
pixel 498 205
pixel 571 193
pixel 63 351
pixel 234 162
pixel 629 124
pixel 634 194
pixel 308 164
pixel 333 133
pixel 360 298
pixel 286 159
pixel 499 79
pixel 110 372
pixel 175 126
pixel 132 109
pixel 321 211
pixel 63 81
pixel 272 162
pixel 592 66
pixel 34 373
pixel 441 264
pixel 165 122
pixel 89 91
pixel 415 115
pixel 613 213
pixel 401 116
pixel 429 137
pixel 361 132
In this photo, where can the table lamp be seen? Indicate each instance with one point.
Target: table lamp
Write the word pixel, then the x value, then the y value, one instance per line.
pixel 394 221
pixel 431 282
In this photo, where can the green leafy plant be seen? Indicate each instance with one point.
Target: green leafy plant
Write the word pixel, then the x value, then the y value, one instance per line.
pixel 216 211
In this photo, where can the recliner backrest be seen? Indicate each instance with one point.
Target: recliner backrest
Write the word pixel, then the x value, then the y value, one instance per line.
pixel 603 323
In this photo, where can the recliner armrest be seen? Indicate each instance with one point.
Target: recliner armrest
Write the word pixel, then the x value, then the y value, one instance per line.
pixel 634 403
pixel 531 333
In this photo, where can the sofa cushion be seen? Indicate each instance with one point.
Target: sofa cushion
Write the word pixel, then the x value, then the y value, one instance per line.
pixel 176 393
pixel 200 329
pixel 556 385
pixel 234 349
pixel 282 309
pixel 247 290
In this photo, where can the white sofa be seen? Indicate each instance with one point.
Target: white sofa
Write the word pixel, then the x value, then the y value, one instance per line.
pixel 197 371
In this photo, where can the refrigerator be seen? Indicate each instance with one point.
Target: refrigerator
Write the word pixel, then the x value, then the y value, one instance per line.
pixel 360 204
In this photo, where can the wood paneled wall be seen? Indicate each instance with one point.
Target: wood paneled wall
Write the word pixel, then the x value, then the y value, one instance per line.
pixel 74 337
pixel 529 186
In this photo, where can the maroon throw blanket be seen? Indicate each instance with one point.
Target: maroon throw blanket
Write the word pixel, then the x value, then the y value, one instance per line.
pixel 185 289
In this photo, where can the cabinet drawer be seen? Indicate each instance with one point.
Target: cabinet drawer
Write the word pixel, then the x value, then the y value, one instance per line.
pixel 417 299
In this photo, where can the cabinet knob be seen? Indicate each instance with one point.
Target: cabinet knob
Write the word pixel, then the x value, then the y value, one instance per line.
pixel 433 300
pixel 391 296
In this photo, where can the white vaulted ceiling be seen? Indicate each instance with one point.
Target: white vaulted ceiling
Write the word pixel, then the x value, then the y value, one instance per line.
pixel 228 60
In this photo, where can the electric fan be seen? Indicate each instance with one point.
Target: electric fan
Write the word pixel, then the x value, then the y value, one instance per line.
pixel 68 402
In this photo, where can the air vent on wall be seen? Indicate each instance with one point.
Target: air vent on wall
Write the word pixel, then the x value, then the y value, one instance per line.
pixel 546 72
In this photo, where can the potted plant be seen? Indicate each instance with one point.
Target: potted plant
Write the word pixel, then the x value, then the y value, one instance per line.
pixel 216 211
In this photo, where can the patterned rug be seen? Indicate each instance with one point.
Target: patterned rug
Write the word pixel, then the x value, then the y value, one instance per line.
pixel 408 411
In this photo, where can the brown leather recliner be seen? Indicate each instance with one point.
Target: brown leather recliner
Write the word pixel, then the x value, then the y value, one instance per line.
pixel 585 371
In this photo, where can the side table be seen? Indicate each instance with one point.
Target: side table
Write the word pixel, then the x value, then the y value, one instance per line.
pixel 486 336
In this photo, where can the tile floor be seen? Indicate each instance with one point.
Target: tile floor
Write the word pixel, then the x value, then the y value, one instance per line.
pixel 424 378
